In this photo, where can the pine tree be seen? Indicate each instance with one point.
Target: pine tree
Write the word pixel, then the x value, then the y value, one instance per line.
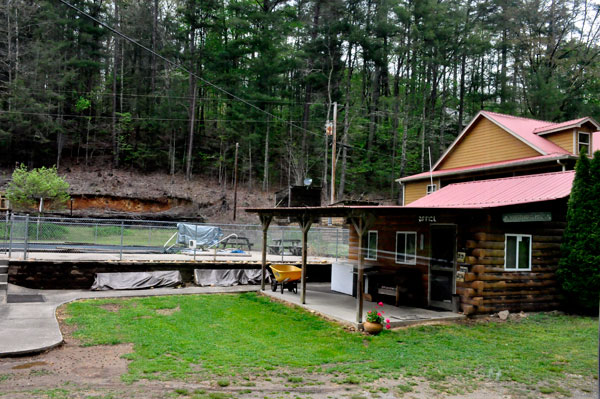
pixel 579 267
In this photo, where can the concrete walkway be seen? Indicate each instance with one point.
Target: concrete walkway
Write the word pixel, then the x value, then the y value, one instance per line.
pixel 32 327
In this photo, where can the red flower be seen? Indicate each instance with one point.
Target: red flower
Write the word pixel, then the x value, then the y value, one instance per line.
pixel 387 321
pixel 378 314
pixel 380 303
pixel 388 326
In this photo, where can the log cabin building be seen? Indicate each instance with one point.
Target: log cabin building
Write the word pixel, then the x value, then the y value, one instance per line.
pixel 480 232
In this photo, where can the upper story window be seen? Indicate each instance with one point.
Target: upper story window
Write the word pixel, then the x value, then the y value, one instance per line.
pixel 371 245
pixel 583 143
pixel 431 188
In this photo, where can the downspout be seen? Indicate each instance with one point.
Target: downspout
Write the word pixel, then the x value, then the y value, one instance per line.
pixel 560 162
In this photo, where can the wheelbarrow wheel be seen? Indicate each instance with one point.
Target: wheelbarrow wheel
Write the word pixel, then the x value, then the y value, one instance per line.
pixel 273 285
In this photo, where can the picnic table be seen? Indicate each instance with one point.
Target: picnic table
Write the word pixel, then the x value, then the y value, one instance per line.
pixel 292 245
pixel 237 242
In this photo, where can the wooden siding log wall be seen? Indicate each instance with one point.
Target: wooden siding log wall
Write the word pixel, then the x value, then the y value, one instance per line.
pixel 489 288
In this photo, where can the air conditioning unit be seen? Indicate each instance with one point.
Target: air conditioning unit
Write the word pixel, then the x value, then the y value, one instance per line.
pixel 192 244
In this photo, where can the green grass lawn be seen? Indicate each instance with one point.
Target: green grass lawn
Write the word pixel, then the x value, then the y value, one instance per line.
pixel 222 336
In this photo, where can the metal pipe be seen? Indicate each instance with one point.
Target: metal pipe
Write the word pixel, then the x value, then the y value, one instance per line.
pixel 26 242
pixel 121 251
pixel 196 242
pixel 12 223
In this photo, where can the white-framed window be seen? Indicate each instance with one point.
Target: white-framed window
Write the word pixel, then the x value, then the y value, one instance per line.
pixel 431 188
pixel 583 143
pixel 371 245
pixel 406 247
pixel 517 252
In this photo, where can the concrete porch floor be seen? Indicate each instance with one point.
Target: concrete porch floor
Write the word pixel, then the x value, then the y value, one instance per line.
pixel 342 308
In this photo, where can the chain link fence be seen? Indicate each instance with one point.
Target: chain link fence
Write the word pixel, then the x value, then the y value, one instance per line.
pixel 24 235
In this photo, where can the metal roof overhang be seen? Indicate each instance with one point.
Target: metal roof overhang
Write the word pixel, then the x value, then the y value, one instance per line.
pixel 348 211
pixel 487 167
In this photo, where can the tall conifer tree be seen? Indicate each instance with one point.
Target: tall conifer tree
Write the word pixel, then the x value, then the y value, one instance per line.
pixel 579 267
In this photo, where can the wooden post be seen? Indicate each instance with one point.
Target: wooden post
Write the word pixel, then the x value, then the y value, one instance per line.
pixel 361 223
pixel 305 222
pixel 265 221
pixel 333 153
pixel 360 283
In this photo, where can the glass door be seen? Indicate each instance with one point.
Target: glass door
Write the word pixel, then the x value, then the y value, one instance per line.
pixel 442 266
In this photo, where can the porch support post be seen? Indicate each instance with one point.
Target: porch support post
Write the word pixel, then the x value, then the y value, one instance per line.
pixel 361 224
pixel 305 221
pixel 265 221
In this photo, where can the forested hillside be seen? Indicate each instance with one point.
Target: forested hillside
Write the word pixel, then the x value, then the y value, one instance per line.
pixel 406 74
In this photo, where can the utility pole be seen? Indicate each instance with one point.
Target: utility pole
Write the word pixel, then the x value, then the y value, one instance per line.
pixel 333 154
pixel 237 145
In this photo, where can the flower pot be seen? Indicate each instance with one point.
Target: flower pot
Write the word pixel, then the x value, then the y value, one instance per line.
pixel 372 328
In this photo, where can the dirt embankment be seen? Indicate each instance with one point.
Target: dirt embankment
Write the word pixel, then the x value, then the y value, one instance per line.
pixel 99 191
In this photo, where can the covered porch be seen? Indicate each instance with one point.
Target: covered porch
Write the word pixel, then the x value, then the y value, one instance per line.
pixel 342 308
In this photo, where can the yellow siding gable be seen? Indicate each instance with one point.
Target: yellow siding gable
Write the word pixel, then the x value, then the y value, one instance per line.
pixel 418 189
pixel 484 143
pixel 563 139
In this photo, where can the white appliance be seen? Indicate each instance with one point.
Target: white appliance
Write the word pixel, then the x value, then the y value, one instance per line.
pixel 342 277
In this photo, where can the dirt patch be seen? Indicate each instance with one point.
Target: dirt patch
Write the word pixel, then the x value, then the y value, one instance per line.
pixel 168 312
pixel 111 307
pixel 29 365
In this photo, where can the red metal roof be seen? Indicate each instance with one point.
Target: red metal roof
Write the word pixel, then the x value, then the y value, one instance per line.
pixel 486 166
pixel 560 126
pixel 500 192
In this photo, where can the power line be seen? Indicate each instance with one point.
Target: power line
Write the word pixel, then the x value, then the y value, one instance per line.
pixel 143 118
pixel 103 94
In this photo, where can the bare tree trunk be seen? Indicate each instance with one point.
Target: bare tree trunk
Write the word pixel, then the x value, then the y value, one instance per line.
pixel 374 109
pixel 16 44
pixel 9 54
pixel 115 141
pixel 341 188
pixel 395 124
pixel 250 166
pixel 423 127
pixel 87 136
pixel 192 109
pixel 265 185
pixel 463 60
pixel 154 39
pixel 59 136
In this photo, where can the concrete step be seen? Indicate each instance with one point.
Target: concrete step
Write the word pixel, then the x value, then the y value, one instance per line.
pixel 3 292
pixel 3 262
pixel 3 278
pixel 3 269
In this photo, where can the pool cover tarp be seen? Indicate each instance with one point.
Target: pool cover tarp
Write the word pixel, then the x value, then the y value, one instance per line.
pixel 204 235
pixel 227 277
pixel 136 280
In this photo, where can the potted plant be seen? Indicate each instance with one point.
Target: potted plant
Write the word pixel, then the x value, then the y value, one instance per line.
pixel 375 319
